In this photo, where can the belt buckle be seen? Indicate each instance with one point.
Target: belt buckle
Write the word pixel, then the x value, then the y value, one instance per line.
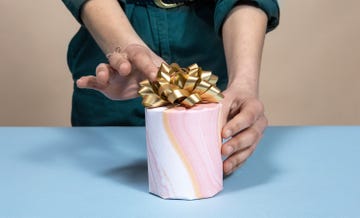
pixel 162 4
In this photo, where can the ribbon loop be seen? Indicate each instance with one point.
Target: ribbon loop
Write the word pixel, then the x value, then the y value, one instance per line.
pixel 180 86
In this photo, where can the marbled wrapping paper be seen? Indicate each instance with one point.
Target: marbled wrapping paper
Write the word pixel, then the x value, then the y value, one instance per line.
pixel 184 151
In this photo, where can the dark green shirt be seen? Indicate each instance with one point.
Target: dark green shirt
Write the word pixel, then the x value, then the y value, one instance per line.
pixel 185 35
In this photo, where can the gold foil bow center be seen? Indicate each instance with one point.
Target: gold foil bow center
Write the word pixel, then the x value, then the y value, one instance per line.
pixel 180 86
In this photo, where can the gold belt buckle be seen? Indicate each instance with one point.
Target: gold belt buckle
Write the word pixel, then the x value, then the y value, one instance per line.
pixel 162 4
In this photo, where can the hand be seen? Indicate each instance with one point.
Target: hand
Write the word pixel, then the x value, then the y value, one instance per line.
pixel 245 124
pixel 119 80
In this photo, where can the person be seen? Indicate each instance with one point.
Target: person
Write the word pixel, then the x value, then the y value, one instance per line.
pixel 120 43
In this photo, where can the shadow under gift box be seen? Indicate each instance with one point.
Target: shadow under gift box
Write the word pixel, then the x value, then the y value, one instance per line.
pixel 184 151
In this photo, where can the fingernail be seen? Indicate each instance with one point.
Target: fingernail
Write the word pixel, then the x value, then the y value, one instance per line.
pixel 227 133
pixel 229 150
pixel 228 168
pixel 78 82
pixel 153 76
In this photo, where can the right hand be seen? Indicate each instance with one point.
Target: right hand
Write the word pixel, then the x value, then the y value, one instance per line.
pixel 119 80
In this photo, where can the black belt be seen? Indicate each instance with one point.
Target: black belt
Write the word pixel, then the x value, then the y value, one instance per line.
pixel 161 3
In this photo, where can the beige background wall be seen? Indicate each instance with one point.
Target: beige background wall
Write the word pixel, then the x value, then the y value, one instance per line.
pixel 310 73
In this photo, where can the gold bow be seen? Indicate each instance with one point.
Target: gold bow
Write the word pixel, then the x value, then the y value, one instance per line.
pixel 180 86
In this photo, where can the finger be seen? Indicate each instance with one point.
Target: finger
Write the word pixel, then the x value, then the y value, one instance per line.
pixel 104 73
pixel 246 138
pixel 144 64
pixel 229 171
pixel 237 159
pixel 157 60
pixel 225 109
pixel 120 63
pixel 249 113
pixel 89 82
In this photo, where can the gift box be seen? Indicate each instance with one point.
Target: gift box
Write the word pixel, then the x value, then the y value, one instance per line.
pixel 183 125
pixel 183 149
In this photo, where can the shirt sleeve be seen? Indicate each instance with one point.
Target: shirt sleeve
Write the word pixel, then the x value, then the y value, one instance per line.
pixel 270 7
pixel 74 7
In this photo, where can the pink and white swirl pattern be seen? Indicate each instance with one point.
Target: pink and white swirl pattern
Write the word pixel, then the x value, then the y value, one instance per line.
pixel 184 151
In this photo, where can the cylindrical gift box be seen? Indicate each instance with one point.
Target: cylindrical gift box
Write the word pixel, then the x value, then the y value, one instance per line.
pixel 184 151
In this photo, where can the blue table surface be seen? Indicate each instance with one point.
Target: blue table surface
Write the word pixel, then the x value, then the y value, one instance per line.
pixel 101 172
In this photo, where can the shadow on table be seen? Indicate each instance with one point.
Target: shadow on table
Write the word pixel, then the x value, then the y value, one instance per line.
pixel 261 167
pixel 133 175
pixel 107 152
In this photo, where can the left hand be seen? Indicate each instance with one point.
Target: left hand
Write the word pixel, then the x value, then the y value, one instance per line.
pixel 244 121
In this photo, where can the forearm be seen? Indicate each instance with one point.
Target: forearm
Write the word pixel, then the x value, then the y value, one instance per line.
pixel 243 36
pixel 108 24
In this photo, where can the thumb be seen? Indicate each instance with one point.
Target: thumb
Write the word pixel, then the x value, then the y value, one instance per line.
pixel 144 64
